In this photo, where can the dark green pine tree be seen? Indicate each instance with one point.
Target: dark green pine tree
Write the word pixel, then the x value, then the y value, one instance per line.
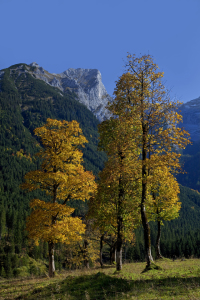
pixel 18 236
pixel 2 221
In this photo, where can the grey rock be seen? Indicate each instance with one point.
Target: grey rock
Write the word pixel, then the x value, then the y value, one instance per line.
pixel 86 83
pixel 34 64
pixel 41 70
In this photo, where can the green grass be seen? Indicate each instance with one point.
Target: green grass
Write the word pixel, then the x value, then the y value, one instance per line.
pixel 173 280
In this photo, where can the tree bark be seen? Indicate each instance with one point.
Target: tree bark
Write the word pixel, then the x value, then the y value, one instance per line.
pixel 147 236
pixel 119 253
pixel 51 260
pixel 101 250
pixel 119 233
pixel 120 218
pixel 158 254
pixel 51 244
pixel 146 227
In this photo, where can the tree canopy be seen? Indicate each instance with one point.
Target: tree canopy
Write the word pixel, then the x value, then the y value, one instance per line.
pixel 63 178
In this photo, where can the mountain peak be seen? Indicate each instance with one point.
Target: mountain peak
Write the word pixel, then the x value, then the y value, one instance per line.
pixel 34 64
pixel 86 83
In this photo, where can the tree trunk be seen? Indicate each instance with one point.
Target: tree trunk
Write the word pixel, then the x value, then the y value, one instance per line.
pixel 119 228
pixel 101 250
pixel 119 256
pixel 51 260
pixel 119 216
pixel 51 244
pixel 158 254
pixel 147 236
pixel 119 245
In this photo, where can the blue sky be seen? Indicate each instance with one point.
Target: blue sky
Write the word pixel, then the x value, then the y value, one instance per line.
pixel 62 34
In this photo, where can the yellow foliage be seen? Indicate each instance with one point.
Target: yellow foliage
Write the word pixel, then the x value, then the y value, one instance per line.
pixel 163 201
pixel 65 229
pixel 61 176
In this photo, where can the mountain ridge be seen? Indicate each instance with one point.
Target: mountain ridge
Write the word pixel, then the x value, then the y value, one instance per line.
pixel 86 83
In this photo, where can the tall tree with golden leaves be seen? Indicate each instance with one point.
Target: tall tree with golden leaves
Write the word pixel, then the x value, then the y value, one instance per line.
pixel 112 207
pixel 62 177
pixel 142 101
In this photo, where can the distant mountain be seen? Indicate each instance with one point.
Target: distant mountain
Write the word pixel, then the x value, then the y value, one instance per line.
pixel 86 83
pixel 191 118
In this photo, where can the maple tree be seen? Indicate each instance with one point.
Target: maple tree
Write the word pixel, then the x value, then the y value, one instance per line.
pixel 63 178
pixel 112 207
pixel 142 101
pixel 163 201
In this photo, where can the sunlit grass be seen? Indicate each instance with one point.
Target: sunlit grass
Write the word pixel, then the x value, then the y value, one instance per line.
pixel 175 280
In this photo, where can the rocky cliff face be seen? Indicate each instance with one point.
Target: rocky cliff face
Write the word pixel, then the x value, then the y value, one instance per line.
pixel 191 118
pixel 86 83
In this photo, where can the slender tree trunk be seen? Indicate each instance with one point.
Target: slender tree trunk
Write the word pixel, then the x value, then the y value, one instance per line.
pixel 158 254
pixel 101 250
pixel 119 232
pixel 51 244
pixel 147 236
pixel 120 218
pixel 146 227
pixel 119 246
pixel 51 260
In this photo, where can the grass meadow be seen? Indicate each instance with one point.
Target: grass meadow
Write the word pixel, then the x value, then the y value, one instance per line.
pixel 179 279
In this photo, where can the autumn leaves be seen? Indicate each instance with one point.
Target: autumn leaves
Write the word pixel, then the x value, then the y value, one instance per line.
pixel 137 183
pixel 62 177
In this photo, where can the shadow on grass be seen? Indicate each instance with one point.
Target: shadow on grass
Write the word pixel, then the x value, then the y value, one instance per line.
pixel 108 266
pixel 151 267
pixel 104 287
